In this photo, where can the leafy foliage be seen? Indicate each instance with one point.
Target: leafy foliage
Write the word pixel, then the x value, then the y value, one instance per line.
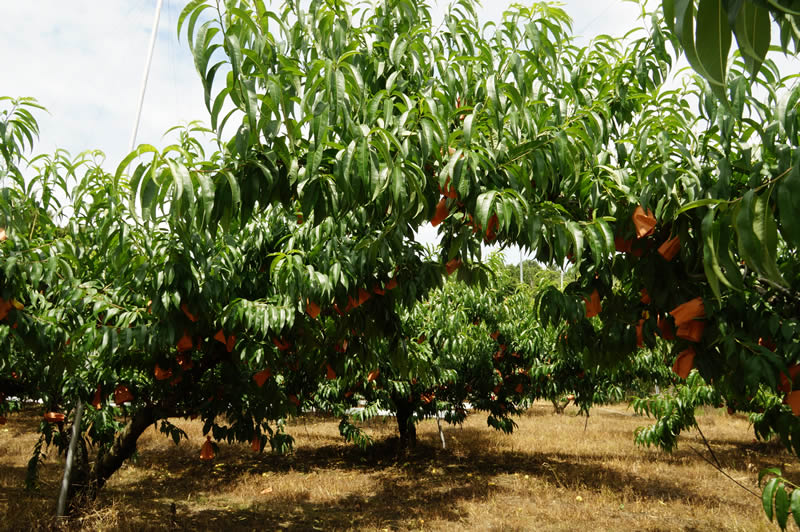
pixel 482 347
pixel 280 272
pixel 777 501
pixel 705 31
pixel 674 411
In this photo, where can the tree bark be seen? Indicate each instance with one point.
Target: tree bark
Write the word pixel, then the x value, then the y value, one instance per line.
pixel 406 424
pixel 558 408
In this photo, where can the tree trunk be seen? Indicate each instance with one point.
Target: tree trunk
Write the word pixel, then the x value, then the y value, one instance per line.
pixel 85 487
pixel 406 424
pixel 558 407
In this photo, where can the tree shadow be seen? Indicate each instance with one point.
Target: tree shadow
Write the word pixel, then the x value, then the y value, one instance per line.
pixel 170 484
pixel 405 485
pixel 21 505
pixel 24 422
pixel 746 457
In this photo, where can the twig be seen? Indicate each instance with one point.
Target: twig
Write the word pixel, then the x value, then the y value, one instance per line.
pixel 748 490
pixel 708 446
pixel 783 290
pixel 33 225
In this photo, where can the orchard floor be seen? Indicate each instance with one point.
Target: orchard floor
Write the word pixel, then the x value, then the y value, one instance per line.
pixel 553 473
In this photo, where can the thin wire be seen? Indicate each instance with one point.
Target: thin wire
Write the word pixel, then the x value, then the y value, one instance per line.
pixel 173 53
pixel 153 35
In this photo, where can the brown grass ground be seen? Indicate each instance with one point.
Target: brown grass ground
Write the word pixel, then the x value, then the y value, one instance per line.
pixel 554 473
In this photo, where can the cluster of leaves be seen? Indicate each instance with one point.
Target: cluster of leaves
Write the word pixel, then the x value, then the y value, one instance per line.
pixel 484 348
pixel 705 31
pixel 779 503
pixel 709 179
pixel 477 354
pixel 674 411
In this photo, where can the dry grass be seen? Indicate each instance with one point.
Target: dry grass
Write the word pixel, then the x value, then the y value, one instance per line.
pixel 550 475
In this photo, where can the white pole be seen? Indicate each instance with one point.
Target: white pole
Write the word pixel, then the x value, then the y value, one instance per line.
pixel 520 265
pixel 439 424
pixel 61 507
pixel 151 47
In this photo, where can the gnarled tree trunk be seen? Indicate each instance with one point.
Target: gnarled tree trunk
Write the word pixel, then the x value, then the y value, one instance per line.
pixel 87 484
pixel 558 406
pixel 406 424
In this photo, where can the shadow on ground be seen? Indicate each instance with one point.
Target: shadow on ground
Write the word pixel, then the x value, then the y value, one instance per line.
pixel 168 488
pixel 404 487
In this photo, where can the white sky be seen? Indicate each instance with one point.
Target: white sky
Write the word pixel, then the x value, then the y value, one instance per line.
pixel 83 60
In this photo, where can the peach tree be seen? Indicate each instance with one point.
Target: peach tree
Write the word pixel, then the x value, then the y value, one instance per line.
pixel 230 285
pixel 487 351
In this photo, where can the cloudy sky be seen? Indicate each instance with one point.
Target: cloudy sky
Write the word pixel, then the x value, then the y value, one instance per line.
pixel 84 61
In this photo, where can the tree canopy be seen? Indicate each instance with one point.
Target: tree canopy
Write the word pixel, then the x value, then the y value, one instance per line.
pixel 281 270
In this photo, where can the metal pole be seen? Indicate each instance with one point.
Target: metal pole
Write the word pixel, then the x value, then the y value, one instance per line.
pixel 151 47
pixel 520 265
pixel 73 443
pixel 439 424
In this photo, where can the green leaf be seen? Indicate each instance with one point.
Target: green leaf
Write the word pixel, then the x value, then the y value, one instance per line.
pixel 397 49
pixel 148 194
pixel 766 230
pixel 234 50
pixel 699 203
pixel 183 185
pixel 713 40
pixel 484 207
pixel 138 152
pixel 491 90
pixel 749 247
pixel 668 7
pixel 710 263
pixel 752 32
pixel 684 14
pixel 608 236
pixel 468 129
pixel 194 8
pixel 449 169
pixel 461 179
pixel 724 253
pixel 427 139
pixel 788 200
pixel 235 191
pixel 577 239
pixel 595 244
pixel 795 506
pixel 399 187
pixel 781 506
pixel 768 495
